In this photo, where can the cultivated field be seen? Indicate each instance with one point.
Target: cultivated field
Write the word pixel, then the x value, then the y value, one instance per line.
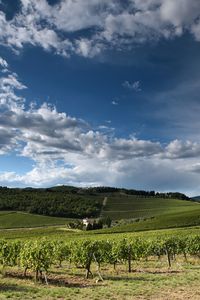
pixel 13 219
pixel 130 206
pixel 150 277
pixel 136 259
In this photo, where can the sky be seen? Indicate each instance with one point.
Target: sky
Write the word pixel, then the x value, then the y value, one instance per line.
pixel 100 93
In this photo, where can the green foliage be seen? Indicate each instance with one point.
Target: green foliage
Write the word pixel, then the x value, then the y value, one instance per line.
pixel 72 202
pixel 39 255
pixel 194 246
pixel 61 252
pixel 51 202
pixel 9 253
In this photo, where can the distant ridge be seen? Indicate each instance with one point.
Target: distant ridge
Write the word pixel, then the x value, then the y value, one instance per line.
pixel 77 202
pixel 196 198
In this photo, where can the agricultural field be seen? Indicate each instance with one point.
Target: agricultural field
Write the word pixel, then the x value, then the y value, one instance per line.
pixel 13 219
pixel 164 267
pixel 130 206
pixel 151 252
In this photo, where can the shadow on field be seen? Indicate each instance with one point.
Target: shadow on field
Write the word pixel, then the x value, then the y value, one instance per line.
pixel 167 272
pixel 57 280
pixel 13 288
pixel 139 276
pixel 124 278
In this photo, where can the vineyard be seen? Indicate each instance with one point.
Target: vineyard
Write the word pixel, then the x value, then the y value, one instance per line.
pixel 153 256
pixel 40 255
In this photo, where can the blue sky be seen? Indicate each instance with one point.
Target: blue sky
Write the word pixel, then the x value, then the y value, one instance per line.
pixel 100 93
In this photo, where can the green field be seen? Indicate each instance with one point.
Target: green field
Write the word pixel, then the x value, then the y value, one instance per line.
pixel 179 218
pixel 142 217
pixel 150 280
pixel 129 213
pixel 12 219
pixel 128 206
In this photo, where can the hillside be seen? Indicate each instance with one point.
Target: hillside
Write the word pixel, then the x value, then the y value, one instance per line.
pixel 58 202
pixel 123 206
pixel 73 202
pixel 146 209
pixel 13 219
pixel 196 198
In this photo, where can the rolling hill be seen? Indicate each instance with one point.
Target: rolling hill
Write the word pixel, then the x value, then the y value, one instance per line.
pixel 136 210
pixel 13 219
pixel 123 206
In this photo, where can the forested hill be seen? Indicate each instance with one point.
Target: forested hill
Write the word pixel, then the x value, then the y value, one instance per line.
pixel 68 201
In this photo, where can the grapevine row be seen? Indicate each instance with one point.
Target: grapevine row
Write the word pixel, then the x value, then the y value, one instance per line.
pixel 39 255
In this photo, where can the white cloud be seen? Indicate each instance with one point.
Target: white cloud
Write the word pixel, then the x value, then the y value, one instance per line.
pixel 180 149
pixel 62 27
pixel 195 29
pixel 11 82
pixel 67 150
pixel 88 48
pixel 3 63
pixel 180 12
pixel 8 86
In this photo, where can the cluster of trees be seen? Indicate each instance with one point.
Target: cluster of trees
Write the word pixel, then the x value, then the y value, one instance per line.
pixel 92 224
pixel 66 201
pixel 175 195
pixel 40 255
pixel 105 189
pixel 49 202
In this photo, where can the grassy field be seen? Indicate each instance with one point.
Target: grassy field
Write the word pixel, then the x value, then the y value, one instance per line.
pixel 151 212
pixel 149 280
pixel 61 232
pixel 187 215
pixel 128 206
pixel 183 218
pixel 12 219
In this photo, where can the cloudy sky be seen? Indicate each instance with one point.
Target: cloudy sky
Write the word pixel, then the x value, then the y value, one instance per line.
pixel 97 92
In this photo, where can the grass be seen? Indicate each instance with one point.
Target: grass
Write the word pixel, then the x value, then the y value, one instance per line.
pixel 12 219
pixel 128 206
pixel 61 232
pixel 152 213
pixel 149 280
pixel 176 219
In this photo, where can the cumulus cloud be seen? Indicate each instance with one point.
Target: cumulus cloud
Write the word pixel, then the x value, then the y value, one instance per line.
pixel 67 150
pixel 7 140
pixel 8 86
pixel 89 27
pixel 180 149
pixel 3 63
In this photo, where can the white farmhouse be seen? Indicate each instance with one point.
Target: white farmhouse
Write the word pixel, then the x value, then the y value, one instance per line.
pixel 86 222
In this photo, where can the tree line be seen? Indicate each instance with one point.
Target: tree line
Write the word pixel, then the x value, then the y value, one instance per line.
pixel 67 201
pixel 50 203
